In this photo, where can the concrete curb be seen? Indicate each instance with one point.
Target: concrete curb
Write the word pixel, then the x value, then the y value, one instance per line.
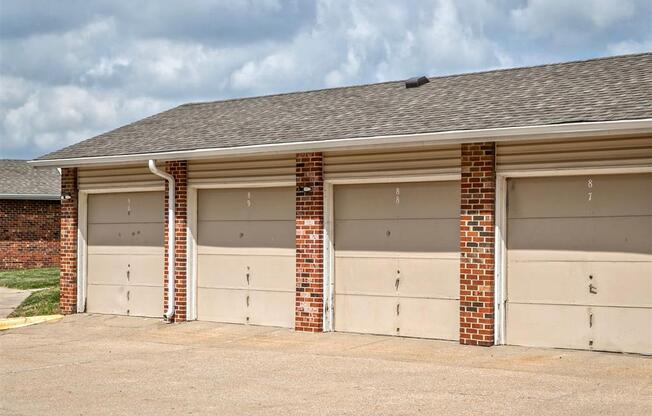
pixel 12 323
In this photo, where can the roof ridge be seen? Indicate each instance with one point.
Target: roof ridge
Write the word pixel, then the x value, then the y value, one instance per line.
pixel 488 71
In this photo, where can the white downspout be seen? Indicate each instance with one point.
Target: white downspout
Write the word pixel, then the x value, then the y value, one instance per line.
pixel 171 235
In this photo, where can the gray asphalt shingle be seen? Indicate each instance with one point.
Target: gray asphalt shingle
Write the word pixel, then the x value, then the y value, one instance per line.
pixel 606 89
pixel 19 178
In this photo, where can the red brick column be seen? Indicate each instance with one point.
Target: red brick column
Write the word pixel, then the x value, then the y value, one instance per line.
pixel 178 169
pixel 478 194
pixel 309 306
pixel 68 255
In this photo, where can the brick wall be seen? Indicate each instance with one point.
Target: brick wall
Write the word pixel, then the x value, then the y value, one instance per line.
pixel 478 194
pixel 68 275
pixel 309 306
pixel 29 233
pixel 178 169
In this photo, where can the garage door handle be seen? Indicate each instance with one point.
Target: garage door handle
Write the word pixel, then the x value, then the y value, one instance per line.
pixel 247 300
pixel 128 273
pixel 398 309
pixel 397 283
pixel 247 278
pixel 590 320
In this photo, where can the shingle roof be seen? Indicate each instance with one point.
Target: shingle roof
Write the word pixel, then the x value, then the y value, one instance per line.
pixel 605 89
pixel 22 181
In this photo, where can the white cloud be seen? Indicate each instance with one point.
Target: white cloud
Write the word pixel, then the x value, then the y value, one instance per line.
pixel 563 18
pixel 105 66
pixel 58 116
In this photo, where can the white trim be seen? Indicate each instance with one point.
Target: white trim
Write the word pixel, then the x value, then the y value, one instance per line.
pixel 540 132
pixel 82 239
pixel 500 272
pixel 329 258
pixel 31 197
pixel 329 228
pixel 191 255
pixel 500 250
pixel 82 247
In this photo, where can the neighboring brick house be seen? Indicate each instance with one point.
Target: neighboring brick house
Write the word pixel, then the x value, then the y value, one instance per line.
pixel 30 209
pixel 501 207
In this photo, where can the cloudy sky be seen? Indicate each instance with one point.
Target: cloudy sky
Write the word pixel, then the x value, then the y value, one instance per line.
pixel 71 69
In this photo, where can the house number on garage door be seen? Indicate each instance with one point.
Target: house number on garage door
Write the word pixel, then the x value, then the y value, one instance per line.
pixel 590 186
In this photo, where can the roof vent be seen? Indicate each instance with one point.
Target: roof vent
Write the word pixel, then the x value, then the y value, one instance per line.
pixel 416 82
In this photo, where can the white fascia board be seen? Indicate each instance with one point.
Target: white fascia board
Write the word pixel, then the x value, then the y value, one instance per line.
pixel 556 131
pixel 29 197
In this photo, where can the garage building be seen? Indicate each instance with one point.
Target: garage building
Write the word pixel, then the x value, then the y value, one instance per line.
pixel 501 207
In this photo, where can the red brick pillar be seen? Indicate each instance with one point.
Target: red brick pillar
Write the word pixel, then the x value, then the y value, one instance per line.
pixel 68 255
pixel 478 195
pixel 179 170
pixel 309 306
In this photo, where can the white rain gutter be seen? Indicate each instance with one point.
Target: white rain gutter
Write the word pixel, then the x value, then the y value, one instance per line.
pixel 543 132
pixel 171 235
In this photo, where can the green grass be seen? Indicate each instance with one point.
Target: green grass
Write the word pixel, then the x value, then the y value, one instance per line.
pixel 30 278
pixel 43 302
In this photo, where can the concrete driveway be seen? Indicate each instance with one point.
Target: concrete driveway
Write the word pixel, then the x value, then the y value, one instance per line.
pixel 90 364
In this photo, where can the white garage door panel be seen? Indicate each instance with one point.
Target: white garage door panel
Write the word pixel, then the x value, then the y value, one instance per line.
pixel 230 271
pixel 617 284
pixel 244 237
pixel 271 308
pixel 397 259
pixel 428 318
pixel 548 325
pixel 600 239
pixel 109 299
pixel 145 300
pixel 126 269
pixel 247 204
pixel 125 253
pixel 370 276
pixel 365 314
pixel 622 329
pixel 129 207
pixel 611 195
pixel 369 201
pixel 222 305
pixel 130 238
pixel 435 277
pixel 246 256
pixel 399 237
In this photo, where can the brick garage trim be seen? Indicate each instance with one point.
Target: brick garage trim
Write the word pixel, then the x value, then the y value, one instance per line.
pixel 179 170
pixel 309 241
pixel 29 233
pixel 477 243
pixel 69 223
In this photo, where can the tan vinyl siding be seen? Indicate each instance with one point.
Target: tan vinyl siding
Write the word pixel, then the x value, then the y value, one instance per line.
pixel 139 176
pixel 574 153
pixel 397 162
pixel 238 170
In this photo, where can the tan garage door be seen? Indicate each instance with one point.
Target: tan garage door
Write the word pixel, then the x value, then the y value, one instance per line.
pixel 397 259
pixel 579 262
pixel 125 254
pixel 246 252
